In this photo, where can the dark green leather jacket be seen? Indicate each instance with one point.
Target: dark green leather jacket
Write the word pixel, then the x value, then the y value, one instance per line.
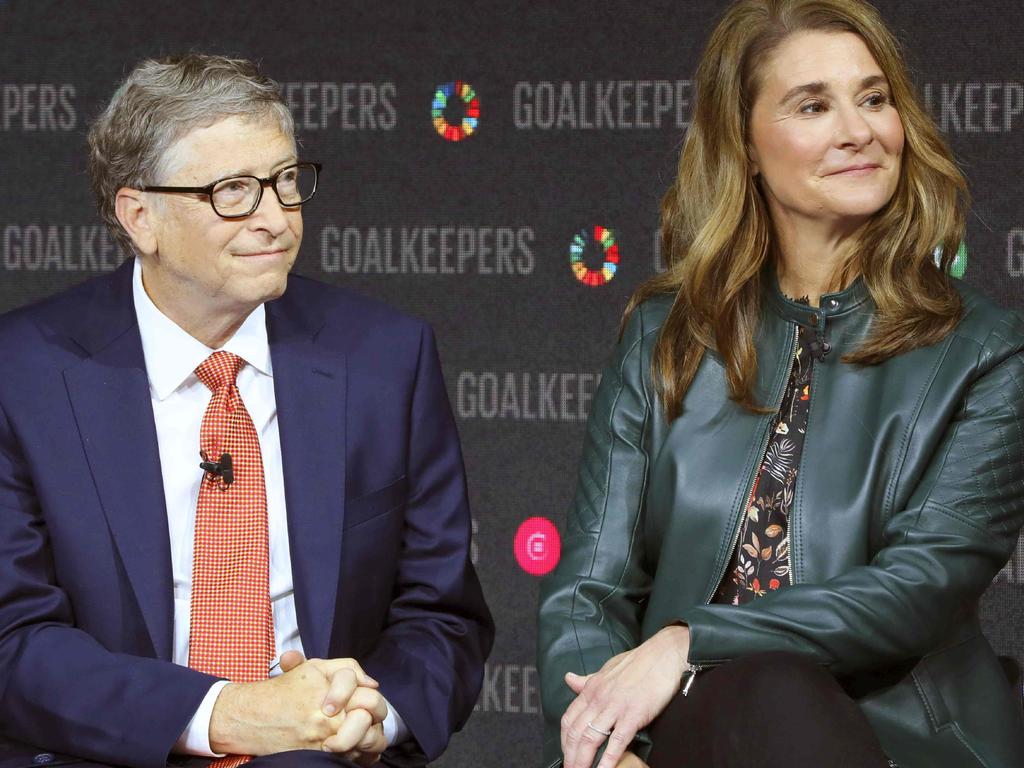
pixel 909 500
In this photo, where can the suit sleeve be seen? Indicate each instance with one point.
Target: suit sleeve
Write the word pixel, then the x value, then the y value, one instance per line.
pixel 941 551
pixel 591 605
pixel 430 657
pixel 59 687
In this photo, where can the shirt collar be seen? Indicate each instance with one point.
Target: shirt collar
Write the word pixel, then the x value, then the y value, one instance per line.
pixel 172 355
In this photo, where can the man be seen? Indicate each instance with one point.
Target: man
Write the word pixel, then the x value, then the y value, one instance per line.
pixel 206 479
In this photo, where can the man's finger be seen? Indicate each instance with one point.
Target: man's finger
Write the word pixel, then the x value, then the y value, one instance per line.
pixel 373 741
pixel 290 660
pixel 370 700
pixel 329 666
pixel 368 751
pixel 353 729
pixel 342 686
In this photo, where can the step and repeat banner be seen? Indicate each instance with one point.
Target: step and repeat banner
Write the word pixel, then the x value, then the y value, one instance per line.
pixel 495 168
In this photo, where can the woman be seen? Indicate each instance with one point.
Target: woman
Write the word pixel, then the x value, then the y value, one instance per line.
pixel 803 466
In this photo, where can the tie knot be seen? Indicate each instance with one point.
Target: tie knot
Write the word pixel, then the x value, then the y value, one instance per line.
pixel 219 370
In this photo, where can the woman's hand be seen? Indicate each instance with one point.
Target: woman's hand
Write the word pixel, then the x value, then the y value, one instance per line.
pixel 629 691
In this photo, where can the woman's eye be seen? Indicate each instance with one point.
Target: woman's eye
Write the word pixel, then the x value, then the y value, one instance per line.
pixel 812 107
pixel 876 100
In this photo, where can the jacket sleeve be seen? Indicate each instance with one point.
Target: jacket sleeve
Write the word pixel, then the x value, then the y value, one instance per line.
pixel 430 657
pixel 939 553
pixel 591 605
pixel 59 687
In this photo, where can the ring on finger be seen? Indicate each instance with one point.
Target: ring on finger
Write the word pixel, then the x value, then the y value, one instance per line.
pixel 595 729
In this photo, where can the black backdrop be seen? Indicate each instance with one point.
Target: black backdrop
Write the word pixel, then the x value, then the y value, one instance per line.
pixel 582 108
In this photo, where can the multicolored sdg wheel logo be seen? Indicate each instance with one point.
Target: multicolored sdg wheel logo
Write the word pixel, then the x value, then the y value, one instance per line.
pixel 594 277
pixel 442 96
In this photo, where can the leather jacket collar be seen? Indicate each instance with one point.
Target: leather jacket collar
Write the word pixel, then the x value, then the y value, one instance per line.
pixel 831 304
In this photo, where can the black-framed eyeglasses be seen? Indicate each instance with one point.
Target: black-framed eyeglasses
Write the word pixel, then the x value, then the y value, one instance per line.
pixel 238 196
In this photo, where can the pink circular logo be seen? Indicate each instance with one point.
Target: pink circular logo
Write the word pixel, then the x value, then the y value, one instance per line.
pixel 538 546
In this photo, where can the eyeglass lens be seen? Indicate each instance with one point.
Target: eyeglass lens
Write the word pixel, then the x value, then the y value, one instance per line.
pixel 237 196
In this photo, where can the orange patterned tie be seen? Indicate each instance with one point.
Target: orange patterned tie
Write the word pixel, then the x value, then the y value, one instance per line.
pixel 232 627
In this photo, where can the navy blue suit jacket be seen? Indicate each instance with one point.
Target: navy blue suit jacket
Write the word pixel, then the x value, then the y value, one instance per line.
pixel 377 518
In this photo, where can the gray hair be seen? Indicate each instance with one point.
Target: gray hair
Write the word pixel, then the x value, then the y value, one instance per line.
pixel 159 102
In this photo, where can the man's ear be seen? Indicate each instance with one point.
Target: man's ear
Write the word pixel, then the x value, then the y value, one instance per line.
pixel 135 213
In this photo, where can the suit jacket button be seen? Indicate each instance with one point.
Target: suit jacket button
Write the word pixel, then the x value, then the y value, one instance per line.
pixel 43 758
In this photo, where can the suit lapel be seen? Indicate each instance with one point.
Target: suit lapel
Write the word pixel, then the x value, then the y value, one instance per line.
pixel 109 393
pixel 310 389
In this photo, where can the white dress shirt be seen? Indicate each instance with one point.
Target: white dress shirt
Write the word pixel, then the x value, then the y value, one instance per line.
pixel 179 401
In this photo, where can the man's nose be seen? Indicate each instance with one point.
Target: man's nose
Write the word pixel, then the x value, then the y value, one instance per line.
pixel 270 214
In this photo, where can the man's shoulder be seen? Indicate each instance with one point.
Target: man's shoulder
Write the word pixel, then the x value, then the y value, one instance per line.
pixel 345 312
pixel 56 317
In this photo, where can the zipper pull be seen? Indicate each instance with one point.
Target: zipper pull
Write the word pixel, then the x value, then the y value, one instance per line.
pixel 689 675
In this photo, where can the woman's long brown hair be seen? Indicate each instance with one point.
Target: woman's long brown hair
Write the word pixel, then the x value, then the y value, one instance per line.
pixel 716 233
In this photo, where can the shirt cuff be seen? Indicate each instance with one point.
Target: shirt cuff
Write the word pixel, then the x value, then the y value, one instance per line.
pixel 195 740
pixel 395 730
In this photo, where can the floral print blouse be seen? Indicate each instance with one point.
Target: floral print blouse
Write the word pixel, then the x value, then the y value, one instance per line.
pixel 760 563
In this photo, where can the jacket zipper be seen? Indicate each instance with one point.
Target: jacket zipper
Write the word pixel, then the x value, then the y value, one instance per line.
pixel 756 469
pixel 691 671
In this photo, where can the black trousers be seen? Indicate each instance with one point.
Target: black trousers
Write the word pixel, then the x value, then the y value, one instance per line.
pixel 767 710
